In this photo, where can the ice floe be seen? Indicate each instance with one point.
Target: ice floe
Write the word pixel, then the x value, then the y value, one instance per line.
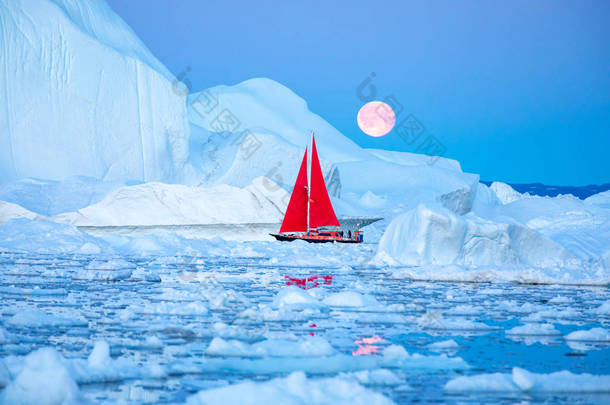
pixel 295 389
pixel 524 381
pixel 591 335
pixel 44 379
pixel 28 318
pixel 310 346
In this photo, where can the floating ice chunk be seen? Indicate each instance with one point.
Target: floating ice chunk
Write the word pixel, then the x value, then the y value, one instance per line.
pixel 44 380
pixel 313 346
pixel 465 310
pixel 100 356
pixel 561 299
pixel 113 264
pixel 172 308
pixel 296 389
pixel 534 329
pixel 435 321
pixel 379 377
pixel 102 275
pixel 561 316
pixel 350 299
pixel 522 380
pixel 45 237
pixel 152 277
pixel 36 291
pixel 444 345
pixel 32 318
pixel 153 342
pixel 604 309
pixel 286 313
pixel 591 335
pixel 295 297
pixel 232 348
pixel 515 307
pixel 105 270
pixel 221 329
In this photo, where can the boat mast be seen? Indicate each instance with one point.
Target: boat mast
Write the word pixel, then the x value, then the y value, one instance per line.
pixel 309 179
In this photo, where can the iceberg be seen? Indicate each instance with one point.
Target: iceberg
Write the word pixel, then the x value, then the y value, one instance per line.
pixel 82 95
pixel 175 204
pixel 10 211
pixel 437 236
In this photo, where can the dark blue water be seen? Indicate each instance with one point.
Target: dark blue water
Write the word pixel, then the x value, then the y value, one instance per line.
pixel 540 189
pixel 184 337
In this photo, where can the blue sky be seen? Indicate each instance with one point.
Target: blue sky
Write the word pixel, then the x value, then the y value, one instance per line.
pixel 517 91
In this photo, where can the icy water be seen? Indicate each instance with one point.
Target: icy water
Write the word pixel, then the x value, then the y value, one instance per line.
pixel 161 314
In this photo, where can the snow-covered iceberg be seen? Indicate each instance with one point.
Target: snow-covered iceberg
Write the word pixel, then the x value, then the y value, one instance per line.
pixel 261 128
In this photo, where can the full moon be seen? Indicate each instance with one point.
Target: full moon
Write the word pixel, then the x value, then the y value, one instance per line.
pixel 376 118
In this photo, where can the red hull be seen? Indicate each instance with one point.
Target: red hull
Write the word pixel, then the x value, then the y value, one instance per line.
pixel 314 238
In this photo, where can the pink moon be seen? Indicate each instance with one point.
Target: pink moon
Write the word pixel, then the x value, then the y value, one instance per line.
pixel 376 118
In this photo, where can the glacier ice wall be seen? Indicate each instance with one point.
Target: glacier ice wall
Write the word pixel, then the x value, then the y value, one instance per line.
pixel 81 95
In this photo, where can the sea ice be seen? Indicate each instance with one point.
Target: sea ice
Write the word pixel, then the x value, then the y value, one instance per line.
pixel 591 335
pixel 294 389
pixel 523 380
pixel 44 380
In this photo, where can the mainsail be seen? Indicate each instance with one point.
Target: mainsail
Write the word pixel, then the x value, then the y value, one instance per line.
pixel 309 205
pixel 295 219
pixel 321 212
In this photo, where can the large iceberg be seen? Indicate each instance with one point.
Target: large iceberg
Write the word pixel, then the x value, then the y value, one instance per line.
pixel 438 236
pixel 82 95
pixel 261 128
pixel 176 204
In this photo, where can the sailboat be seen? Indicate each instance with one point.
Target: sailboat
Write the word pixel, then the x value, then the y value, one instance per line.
pixel 310 215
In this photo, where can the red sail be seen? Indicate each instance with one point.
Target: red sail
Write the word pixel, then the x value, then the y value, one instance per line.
pixel 321 211
pixel 295 219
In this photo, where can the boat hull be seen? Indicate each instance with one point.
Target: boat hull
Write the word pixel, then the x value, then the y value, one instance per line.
pixel 313 239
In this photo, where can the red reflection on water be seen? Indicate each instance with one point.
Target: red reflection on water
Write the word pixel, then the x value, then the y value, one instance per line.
pixel 309 282
pixel 367 345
